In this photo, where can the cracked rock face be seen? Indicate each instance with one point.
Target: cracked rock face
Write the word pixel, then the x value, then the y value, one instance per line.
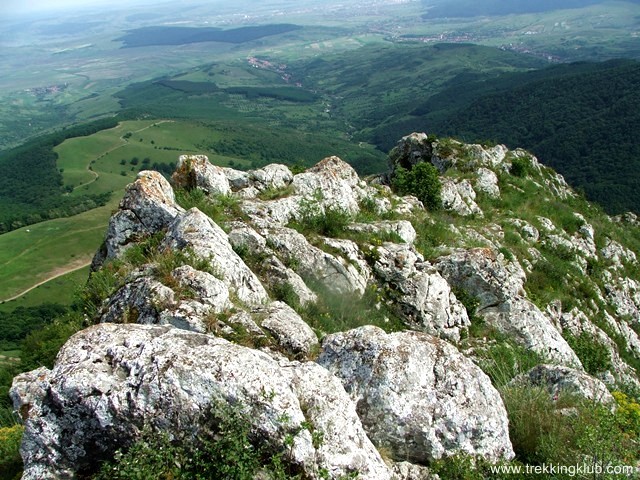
pixel 148 206
pixel 498 288
pixel 557 379
pixel 196 231
pixel 110 381
pixel 417 396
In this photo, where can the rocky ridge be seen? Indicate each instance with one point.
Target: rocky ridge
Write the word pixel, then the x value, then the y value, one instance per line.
pixel 232 300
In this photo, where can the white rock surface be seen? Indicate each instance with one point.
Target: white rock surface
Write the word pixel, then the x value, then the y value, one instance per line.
pixel 195 171
pixel 498 287
pixel 197 232
pixel 418 396
pixel 111 381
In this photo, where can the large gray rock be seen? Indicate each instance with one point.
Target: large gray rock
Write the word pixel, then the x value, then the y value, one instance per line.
pixel 332 183
pixel 274 176
pixel 558 379
pixel 337 273
pixel 204 238
pixel 418 397
pixel 422 298
pixel 502 302
pixel 291 333
pixel 459 197
pixel 487 182
pixel 112 381
pixel 195 171
pixel 147 207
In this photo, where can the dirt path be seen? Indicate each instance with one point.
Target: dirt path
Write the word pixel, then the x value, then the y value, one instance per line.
pixel 113 149
pixel 58 272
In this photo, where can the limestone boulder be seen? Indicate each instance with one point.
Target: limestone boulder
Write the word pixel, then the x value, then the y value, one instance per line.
pixel 558 379
pixel 148 206
pixel 202 237
pixel 498 287
pixel 418 397
pixel 112 381
pixel 195 171
pixel 422 297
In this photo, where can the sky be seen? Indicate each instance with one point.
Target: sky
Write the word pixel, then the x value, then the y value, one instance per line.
pixel 33 6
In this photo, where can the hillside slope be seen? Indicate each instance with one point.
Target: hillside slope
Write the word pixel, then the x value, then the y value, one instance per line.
pixel 318 325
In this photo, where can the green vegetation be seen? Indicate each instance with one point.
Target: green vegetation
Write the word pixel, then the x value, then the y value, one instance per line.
pixel 33 254
pixel 594 355
pixel 339 312
pixel 31 186
pixel 219 208
pixel 330 222
pixel 225 448
pixel 10 460
pixel 422 181
pixel 579 119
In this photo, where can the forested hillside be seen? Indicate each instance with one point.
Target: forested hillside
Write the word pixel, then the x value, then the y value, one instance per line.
pixel 31 186
pixel 579 118
pixel 584 125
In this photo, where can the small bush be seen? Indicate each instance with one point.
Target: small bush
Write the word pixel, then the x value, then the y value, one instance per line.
pixel 521 167
pixel 331 222
pixel 10 459
pixel 595 356
pixel 224 449
pixel 220 208
pixel 423 181
pixel 505 360
pixel 275 193
pixel 337 313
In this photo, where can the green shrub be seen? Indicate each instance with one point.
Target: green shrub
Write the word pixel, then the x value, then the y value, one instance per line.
pixel 225 449
pixel 505 360
pixel 339 312
pixel 41 347
pixel 331 222
pixel 10 460
pixel 521 167
pixel 423 181
pixel 272 193
pixel 595 356
pixel 220 208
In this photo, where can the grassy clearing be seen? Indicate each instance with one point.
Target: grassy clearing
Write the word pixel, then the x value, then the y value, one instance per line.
pixel 32 254
pixel 59 290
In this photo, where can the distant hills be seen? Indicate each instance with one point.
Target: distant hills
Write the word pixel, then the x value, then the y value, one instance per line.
pixel 474 8
pixel 581 118
pixel 148 36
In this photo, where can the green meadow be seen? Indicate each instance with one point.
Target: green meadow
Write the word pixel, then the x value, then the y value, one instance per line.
pixel 33 254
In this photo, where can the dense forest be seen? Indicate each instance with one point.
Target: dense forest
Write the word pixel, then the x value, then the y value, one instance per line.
pixel 31 187
pixel 581 119
pixel 584 125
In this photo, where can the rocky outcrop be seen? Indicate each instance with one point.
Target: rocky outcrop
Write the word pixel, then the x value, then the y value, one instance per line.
pixel 417 396
pixel 202 236
pixel 147 207
pixel 558 379
pixel 499 291
pixel 216 311
pixel 423 298
pixel 459 198
pixel 291 333
pixel 337 274
pixel 195 171
pixel 112 381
